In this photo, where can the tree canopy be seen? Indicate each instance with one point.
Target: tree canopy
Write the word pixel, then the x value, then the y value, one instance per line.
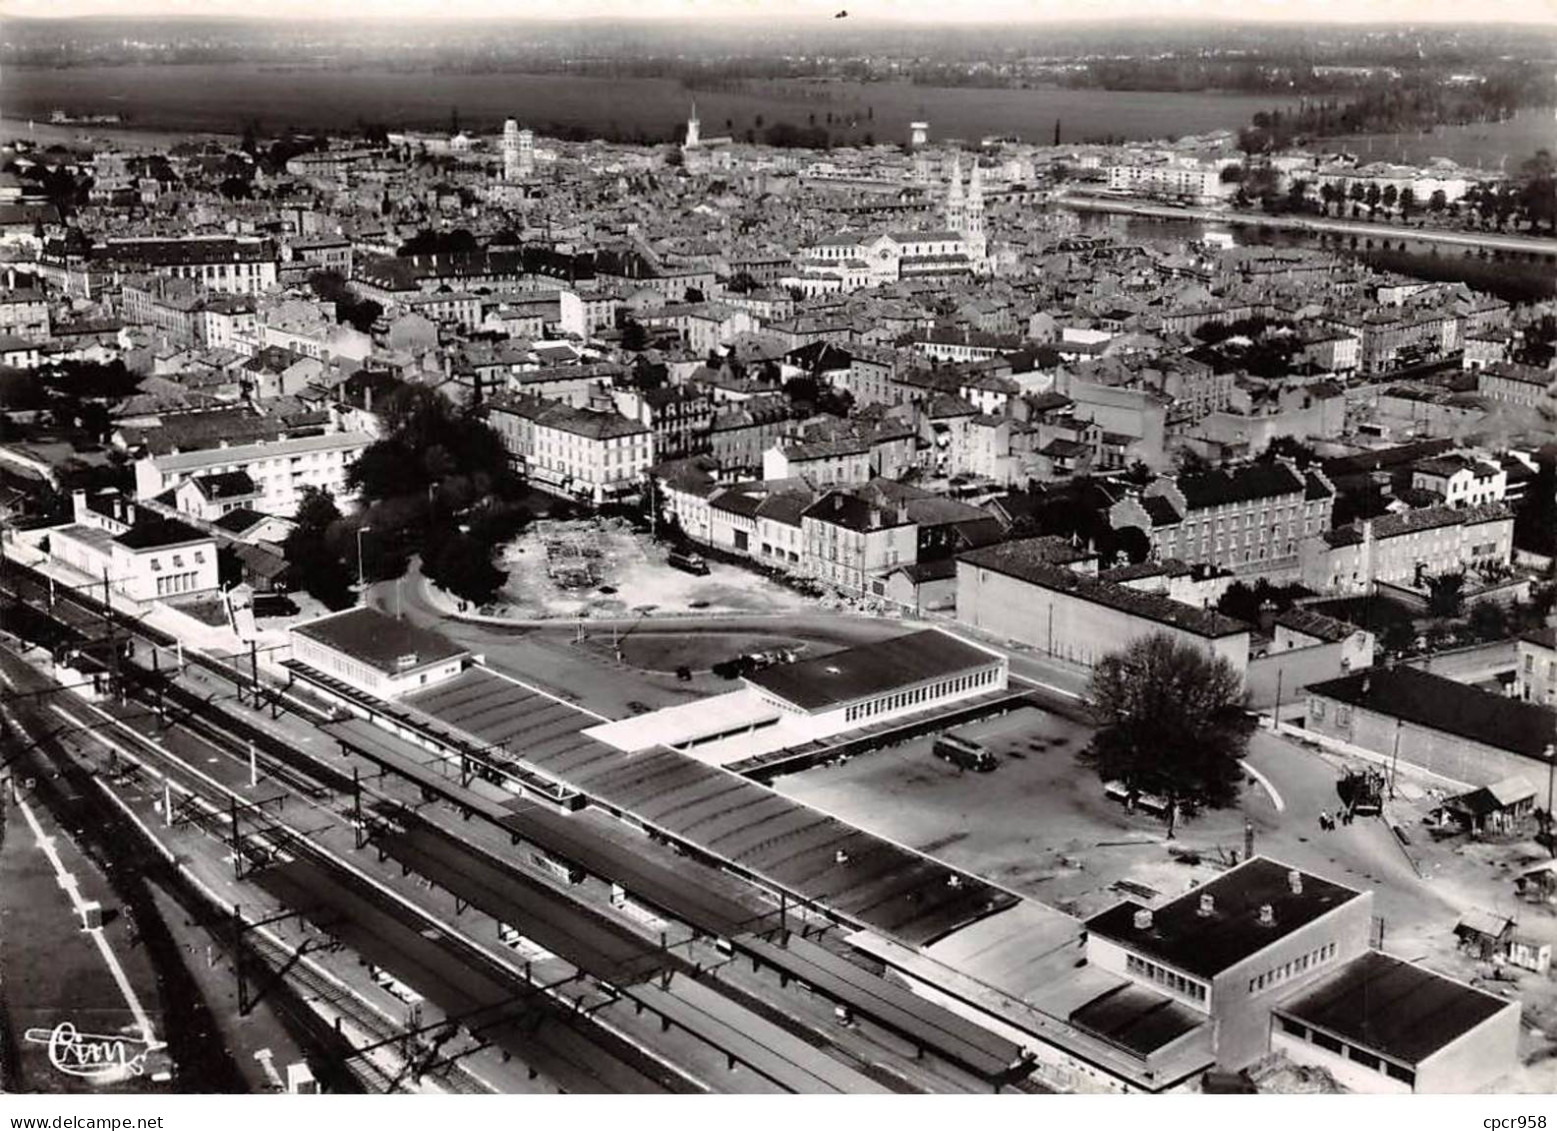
pixel 1171 722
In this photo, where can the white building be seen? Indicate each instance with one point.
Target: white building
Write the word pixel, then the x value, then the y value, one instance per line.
pixel 141 555
pixel 279 469
pixel 1181 180
pixel 597 457
pixel 790 705
pixel 375 654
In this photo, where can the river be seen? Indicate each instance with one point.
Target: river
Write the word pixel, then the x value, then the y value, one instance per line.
pixel 1516 277
pixel 223 98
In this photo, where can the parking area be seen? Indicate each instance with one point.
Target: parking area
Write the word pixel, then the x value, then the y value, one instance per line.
pixel 1038 823
pixel 601 567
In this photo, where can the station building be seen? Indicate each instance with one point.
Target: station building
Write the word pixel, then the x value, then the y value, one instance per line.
pixel 788 705
pixel 1270 959
pixel 369 652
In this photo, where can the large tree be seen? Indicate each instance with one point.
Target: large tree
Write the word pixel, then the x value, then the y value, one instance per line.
pixel 315 563
pixel 1171 722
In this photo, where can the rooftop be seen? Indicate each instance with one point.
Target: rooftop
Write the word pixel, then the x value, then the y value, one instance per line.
pixel 380 641
pixel 1027 561
pixel 1205 945
pixel 870 669
pixel 1392 1007
pixel 1445 705
pixel 160 533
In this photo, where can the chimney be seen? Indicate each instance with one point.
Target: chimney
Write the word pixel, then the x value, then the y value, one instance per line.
pixel 875 518
pixel 1207 904
pixel 78 504
pixel 1267 617
pixel 1367 684
pixel 1267 915
pixel 1143 919
pixel 1295 881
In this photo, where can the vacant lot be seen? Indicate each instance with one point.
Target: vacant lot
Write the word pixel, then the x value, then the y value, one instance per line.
pixel 601 568
pixel 1039 823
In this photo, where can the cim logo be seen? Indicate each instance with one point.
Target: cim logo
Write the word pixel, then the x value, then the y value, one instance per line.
pixel 94 1056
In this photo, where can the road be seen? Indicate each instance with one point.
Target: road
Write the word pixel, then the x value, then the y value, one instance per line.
pixel 1491 241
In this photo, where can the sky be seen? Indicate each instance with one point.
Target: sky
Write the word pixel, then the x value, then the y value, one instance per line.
pixel 862 11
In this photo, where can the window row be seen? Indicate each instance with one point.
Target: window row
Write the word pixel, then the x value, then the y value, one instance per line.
pixel 1287 970
pixel 1350 1052
pixel 1162 976
pixel 918 695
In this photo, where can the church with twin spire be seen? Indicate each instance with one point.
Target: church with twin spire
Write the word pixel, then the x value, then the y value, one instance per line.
pixel 850 260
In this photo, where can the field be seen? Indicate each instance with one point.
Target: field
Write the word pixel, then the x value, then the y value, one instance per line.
pixel 209 97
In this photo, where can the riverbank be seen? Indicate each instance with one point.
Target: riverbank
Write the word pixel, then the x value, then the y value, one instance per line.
pixel 1488 241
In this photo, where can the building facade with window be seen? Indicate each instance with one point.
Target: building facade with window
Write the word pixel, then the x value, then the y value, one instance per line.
pixel 141 555
pixel 1535 674
pixel 375 654
pixel 596 457
pixel 279 469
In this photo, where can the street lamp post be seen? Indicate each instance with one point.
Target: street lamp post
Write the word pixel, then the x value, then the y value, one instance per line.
pixel 361 577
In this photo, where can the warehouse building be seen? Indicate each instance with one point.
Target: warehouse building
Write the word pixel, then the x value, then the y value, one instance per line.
pixel 1265 958
pixel 1451 729
pixel 1017 591
pixel 1383 1025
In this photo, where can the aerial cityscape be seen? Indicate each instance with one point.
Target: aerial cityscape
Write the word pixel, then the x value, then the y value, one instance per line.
pixel 874 552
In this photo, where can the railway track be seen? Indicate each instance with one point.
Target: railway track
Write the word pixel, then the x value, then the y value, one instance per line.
pixel 597 948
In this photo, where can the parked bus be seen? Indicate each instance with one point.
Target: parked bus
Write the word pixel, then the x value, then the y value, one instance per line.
pixel 691 563
pixel 964 753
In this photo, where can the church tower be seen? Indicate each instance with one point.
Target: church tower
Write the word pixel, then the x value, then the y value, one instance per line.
pixel 973 211
pixel 954 200
pixel 694 127
pixel 511 171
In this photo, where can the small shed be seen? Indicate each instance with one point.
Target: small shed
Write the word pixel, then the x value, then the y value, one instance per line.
pixel 1484 933
pixel 1499 809
pixel 1538 884
pixel 1528 954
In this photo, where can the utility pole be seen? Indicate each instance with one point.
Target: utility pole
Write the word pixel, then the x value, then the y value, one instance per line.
pixel 1551 771
pixel 1275 715
pixel 1394 761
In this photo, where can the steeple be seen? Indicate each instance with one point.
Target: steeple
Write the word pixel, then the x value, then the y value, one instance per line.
pixel 693 127
pixel 973 211
pixel 954 199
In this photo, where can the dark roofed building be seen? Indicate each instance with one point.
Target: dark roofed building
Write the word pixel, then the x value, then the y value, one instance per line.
pixel 372 652
pixel 1455 730
pixel 1251 907
pixel 1019 591
pixel 918 667
pixel 1228 950
pixel 1381 1024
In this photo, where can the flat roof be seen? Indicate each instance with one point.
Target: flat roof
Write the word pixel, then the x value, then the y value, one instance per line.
pixel 1205 945
pixel 1393 1008
pixel 870 669
pixel 1137 1019
pixel 379 640
pixel 701 719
